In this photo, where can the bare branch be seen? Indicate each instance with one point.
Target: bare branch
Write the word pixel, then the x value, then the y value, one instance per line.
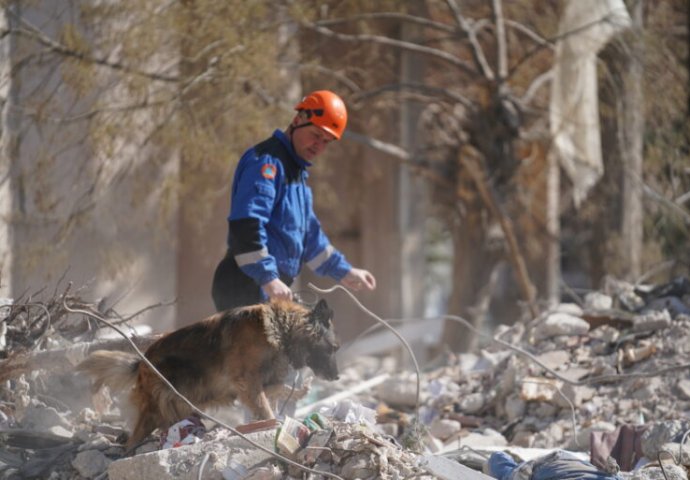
pixel 412 47
pixel 384 147
pixel 424 22
pixel 550 42
pixel 345 80
pixel 544 42
pixel 56 47
pixel 426 90
pixel 669 204
pixel 401 155
pixel 536 84
pixel 501 45
pixel 477 51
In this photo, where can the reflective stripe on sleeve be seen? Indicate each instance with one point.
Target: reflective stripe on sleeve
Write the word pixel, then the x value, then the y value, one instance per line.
pixel 244 259
pixel 321 258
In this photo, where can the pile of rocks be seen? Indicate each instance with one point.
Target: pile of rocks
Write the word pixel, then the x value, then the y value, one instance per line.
pixel 617 360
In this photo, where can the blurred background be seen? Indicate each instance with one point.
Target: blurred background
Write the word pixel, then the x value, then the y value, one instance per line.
pixel 501 156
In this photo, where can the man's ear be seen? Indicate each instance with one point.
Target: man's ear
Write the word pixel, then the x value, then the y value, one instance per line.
pixel 322 313
pixel 299 119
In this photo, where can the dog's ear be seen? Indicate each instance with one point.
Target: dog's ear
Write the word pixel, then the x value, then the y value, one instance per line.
pixel 322 313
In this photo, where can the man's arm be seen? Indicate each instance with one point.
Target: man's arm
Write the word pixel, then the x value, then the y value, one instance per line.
pixel 254 194
pixel 325 260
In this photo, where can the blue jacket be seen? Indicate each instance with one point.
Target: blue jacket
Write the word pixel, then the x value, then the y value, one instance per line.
pixel 272 226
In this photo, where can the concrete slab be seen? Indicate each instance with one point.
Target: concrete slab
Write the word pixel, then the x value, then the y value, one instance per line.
pixel 183 463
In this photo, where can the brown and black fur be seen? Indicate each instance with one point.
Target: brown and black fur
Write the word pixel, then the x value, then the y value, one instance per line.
pixel 242 354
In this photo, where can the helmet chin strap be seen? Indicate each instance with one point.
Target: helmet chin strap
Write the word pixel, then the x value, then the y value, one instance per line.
pixel 291 130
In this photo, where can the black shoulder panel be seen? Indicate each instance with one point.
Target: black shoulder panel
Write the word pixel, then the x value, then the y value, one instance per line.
pixel 275 148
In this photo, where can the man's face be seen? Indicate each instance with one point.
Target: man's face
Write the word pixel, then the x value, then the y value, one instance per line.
pixel 310 141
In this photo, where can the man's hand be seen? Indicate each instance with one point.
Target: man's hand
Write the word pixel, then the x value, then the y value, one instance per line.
pixel 276 289
pixel 357 279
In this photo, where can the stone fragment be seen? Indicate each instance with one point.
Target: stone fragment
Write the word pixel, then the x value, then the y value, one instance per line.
pixel 484 438
pixel 684 388
pixel 545 411
pixel 61 432
pixel 523 438
pixel 473 402
pixel 670 472
pixel 555 359
pixel 661 433
pixel 598 301
pixel 581 441
pixel 647 390
pixel 561 324
pixel 514 407
pixel 358 466
pixel 652 321
pixel 399 390
pixel 577 394
pixel 569 308
pixel 182 463
pixel 95 441
pixel 539 389
pixel 605 333
pixel 42 418
pixel 444 428
pixel 446 469
pixel 90 463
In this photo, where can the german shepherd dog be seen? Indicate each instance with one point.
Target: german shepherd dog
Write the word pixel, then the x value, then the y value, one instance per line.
pixel 243 353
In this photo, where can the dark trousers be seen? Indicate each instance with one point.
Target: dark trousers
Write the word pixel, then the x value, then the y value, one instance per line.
pixel 232 288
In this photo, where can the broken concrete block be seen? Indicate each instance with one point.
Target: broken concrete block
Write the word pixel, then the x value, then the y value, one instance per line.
pixel 523 438
pixel 648 389
pixel 95 441
pixel 577 394
pixel 683 387
pixel 358 466
pixel 539 389
pixel 183 463
pixel 447 469
pixel 561 324
pixel 605 333
pixel 582 441
pixel 514 407
pixel 41 418
pixel 486 437
pixel 652 321
pixel 569 308
pixel 444 428
pixel 473 402
pixel 399 390
pixel 598 301
pixel 554 359
pixel 661 433
pixel 90 463
pixel 670 472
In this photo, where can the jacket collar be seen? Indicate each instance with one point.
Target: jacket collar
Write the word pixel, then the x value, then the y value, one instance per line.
pixel 285 140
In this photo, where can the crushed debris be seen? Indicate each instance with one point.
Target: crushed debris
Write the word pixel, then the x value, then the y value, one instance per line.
pixel 605 379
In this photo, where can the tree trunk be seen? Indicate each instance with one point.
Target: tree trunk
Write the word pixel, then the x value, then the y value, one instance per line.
pixel 631 147
pixel 472 266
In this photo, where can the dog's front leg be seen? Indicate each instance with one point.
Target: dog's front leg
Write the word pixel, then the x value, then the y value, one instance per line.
pixel 255 400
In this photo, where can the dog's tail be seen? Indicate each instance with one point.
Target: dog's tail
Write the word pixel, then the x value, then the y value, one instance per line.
pixel 118 370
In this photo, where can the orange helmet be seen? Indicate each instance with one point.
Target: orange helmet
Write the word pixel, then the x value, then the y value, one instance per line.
pixel 326 110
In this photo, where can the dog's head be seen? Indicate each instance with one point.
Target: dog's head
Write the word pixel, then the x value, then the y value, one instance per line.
pixel 320 353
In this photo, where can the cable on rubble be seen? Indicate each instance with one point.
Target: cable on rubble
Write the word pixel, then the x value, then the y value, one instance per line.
pixel 385 324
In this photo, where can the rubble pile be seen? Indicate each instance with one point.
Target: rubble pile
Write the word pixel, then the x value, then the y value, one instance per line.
pixel 606 378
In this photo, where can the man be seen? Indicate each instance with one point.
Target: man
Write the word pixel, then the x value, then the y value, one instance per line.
pixel 272 229
pixel 558 465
